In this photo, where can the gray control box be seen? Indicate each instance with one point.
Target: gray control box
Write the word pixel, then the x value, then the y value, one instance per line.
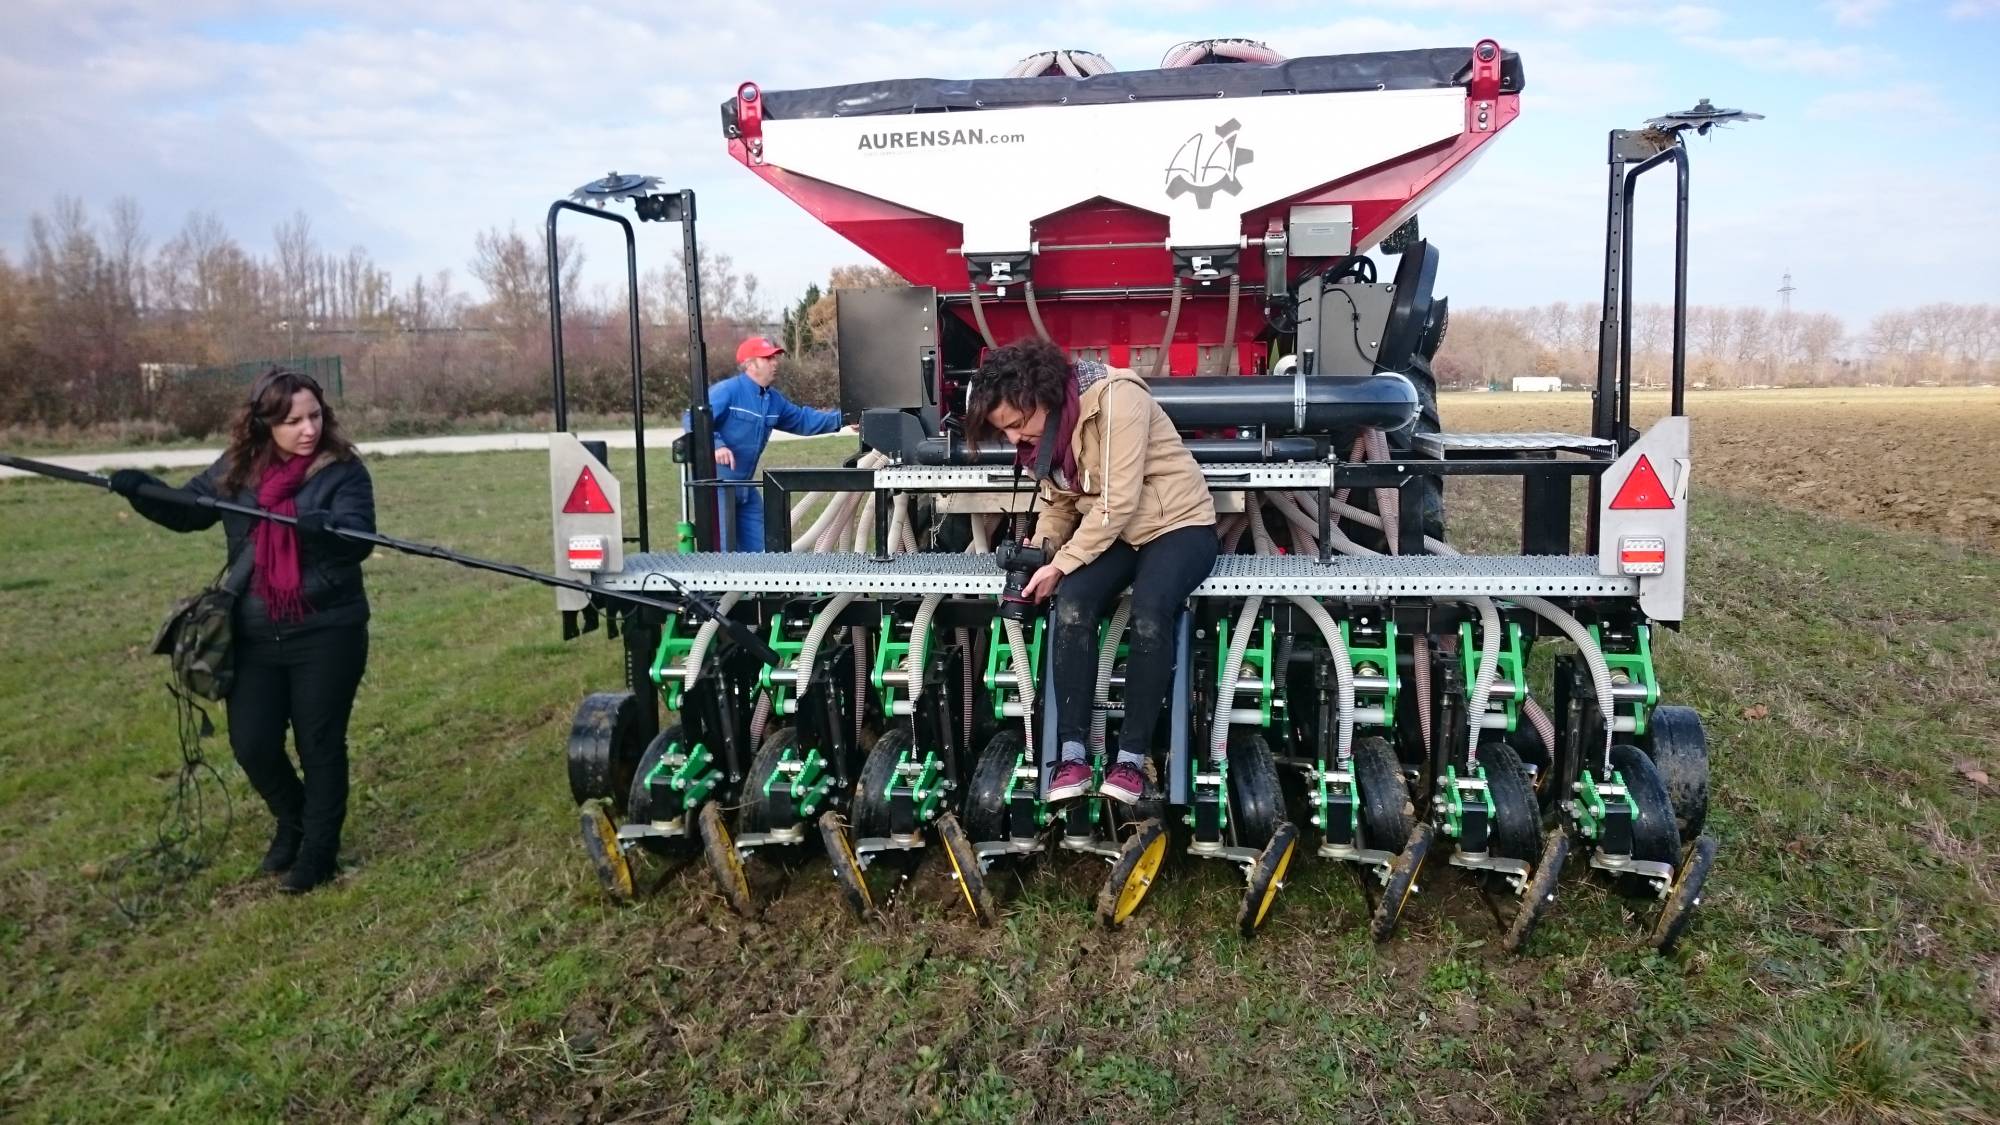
pixel 1320 230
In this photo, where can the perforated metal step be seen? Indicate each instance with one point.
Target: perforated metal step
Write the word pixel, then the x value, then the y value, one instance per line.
pixel 1558 576
pixel 1437 445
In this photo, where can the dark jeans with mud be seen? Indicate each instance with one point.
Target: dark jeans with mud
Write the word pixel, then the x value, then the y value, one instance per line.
pixel 1161 574
pixel 306 682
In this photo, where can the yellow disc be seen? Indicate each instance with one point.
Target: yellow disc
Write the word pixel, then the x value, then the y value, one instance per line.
pixel 1277 877
pixel 1141 879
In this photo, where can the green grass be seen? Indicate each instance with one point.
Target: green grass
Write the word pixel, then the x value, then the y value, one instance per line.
pixel 1846 966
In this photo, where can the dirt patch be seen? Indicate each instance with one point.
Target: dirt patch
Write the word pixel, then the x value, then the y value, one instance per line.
pixel 1914 460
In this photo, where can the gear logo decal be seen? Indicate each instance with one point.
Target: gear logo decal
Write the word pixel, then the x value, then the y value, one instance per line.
pixel 1203 167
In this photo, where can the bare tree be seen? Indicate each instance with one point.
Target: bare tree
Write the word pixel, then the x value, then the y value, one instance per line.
pixel 515 272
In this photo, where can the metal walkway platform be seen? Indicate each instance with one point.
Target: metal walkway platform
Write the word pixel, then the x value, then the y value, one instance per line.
pixel 1556 576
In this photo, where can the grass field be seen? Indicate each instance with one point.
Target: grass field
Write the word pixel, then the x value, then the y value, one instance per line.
pixel 1846 966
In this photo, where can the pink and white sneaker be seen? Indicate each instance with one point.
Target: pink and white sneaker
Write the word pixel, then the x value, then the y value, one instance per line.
pixel 1124 783
pixel 1072 780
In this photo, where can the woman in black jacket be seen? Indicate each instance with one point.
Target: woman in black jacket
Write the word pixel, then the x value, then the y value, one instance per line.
pixel 301 622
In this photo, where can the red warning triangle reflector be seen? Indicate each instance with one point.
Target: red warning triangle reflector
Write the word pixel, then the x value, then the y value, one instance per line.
pixel 587 497
pixel 1642 490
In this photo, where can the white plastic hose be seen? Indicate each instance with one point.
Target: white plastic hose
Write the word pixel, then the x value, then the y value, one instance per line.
pixel 802 664
pixel 1107 656
pixel 1600 670
pixel 1482 682
pixel 1343 675
pixel 1024 681
pixel 705 636
pixel 1239 642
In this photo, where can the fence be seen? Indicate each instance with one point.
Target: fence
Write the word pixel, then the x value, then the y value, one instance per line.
pixel 323 369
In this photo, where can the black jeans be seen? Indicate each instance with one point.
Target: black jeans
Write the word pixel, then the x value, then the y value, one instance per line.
pixel 1162 574
pixel 306 681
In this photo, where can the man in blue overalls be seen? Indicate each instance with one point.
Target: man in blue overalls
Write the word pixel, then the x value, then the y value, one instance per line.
pixel 747 408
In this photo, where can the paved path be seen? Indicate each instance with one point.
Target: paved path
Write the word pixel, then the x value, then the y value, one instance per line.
pixel 656 439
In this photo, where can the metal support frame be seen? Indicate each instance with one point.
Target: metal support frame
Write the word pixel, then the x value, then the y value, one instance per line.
pixel 675 207
pixel 1633 153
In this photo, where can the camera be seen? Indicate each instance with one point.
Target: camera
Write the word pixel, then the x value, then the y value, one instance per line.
pixel 1020 561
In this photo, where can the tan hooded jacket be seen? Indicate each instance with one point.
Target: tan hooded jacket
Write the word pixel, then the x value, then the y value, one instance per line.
pixel 1136 480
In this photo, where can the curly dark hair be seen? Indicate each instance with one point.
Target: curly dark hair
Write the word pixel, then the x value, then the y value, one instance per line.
pixel 251 449
pixel 1024 375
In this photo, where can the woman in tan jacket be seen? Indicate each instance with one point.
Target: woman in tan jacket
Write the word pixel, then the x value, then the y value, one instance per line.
pixel 1125 504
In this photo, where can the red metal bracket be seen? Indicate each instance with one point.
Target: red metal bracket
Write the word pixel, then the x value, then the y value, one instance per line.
pixel 750 119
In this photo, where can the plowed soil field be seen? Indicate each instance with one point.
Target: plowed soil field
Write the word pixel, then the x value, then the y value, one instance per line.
pixel 1924 460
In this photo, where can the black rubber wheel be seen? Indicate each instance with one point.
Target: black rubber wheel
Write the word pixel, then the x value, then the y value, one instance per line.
pixel 605 747
pixel 1679 748
pixel 600 843
pixel 1517 817
pixel 1541 892
pixel 1654 834
pixel 1267 878
pixel 1256 799
pixel 1138 866
pixel 871 803
pixel 965 869
pixel 985 809
pixel 719 850
pixel 639 805
pixel 1685 896
pixel 1402 882
pixel 846 865
pixel 1386 811
pixel 759 813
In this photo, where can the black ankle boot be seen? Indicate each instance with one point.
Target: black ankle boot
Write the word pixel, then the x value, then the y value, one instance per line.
pixel 313 868
pixel 283 852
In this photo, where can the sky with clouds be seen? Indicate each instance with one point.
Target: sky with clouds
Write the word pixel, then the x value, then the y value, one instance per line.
pixel 407 127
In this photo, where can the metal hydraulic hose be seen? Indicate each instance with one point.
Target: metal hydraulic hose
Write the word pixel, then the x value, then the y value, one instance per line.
pixel 1420 665
pixel 1034 312
pixel 1229 324
pixel 1160 366
pixel 979 317
pixel 1387 500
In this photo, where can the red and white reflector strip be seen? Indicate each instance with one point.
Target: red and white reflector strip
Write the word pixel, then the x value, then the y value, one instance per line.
pixel 1642 554
pixel 586 552
pixel 586 497
pixel 1642 490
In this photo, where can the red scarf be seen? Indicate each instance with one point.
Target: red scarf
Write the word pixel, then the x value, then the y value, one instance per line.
pixel 1060 430
pixel 277 544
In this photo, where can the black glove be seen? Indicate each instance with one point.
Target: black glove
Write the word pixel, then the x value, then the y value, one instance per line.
pixel 126 482
pixel 316 524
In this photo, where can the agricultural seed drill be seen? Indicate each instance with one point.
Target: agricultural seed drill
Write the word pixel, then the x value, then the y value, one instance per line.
pixel 1347 685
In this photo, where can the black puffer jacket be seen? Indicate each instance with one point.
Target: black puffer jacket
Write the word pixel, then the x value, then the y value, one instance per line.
pixel 329 571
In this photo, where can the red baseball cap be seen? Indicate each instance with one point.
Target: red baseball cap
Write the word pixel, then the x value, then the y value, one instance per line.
pixel 757 347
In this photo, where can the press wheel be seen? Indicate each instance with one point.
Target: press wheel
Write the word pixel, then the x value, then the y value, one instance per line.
pixel 1655 837
pixel 1386 811
pixel 639 804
